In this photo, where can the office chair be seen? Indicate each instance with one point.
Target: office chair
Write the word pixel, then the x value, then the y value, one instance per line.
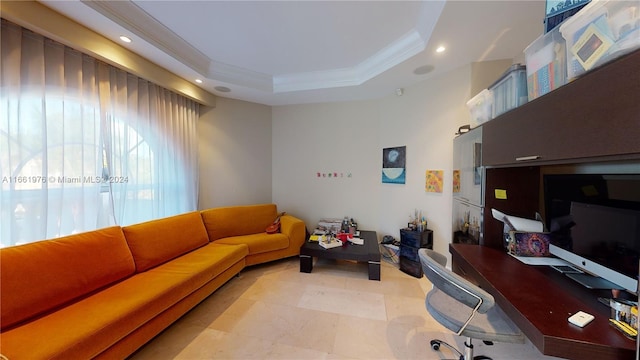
pixel 463 308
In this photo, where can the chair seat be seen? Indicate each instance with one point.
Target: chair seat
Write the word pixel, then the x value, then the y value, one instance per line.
pixel 491 326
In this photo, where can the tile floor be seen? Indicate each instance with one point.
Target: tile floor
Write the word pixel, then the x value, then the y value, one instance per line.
pixel 273 311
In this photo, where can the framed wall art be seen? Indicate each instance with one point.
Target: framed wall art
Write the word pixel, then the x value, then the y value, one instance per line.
pixel 394 165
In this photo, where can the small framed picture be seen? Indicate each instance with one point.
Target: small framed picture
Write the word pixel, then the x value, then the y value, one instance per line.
pixel 591 46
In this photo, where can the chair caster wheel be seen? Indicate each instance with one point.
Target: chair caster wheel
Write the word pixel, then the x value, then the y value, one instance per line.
pixel 435 345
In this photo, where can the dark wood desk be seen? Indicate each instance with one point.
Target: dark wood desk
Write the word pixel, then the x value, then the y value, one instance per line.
pixel 539 300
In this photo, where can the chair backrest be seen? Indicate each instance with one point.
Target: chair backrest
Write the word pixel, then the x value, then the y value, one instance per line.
pixel 452 284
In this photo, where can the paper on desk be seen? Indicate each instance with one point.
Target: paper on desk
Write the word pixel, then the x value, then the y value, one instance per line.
pixel 518 223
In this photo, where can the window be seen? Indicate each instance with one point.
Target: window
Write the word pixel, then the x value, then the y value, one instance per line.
pixel 84 145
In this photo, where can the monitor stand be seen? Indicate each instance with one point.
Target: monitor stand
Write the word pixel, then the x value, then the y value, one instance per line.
pixel 593 282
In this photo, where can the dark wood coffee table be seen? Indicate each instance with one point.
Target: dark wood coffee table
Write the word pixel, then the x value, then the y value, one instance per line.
pixel 369 253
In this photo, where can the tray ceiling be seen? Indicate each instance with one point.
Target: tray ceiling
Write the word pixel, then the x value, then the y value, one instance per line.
pixel 288 52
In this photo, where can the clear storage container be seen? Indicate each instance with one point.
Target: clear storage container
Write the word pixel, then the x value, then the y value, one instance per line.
pixel 600 32
pixel 510 91
pixel 481 107
pixel 546 64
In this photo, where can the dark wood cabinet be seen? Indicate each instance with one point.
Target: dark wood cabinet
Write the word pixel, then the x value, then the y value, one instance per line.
pixel 596 117
pixel 410 242
pixel 520 197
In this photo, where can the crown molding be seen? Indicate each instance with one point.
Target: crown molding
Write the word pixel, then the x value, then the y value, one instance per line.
pixel 316 80
pixel 131 17
pixel 407 46
pixel 45 21
pixel 398 51
pixel 240 76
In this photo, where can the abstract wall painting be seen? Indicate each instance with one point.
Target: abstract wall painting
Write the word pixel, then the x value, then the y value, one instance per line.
pixel 394 165
pixel 433 181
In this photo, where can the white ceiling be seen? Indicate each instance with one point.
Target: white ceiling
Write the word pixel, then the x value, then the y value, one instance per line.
pixel 289 52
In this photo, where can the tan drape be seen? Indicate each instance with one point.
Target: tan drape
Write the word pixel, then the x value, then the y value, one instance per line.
pixel 85 145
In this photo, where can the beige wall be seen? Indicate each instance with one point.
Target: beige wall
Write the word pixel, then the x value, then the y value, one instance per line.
pixel 483 74
pixel 348 138
pixel 235 154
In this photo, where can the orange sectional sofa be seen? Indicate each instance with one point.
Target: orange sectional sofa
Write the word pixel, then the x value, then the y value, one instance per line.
pixel 105 293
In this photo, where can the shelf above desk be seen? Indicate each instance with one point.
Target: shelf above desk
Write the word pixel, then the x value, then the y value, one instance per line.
pixel 540 300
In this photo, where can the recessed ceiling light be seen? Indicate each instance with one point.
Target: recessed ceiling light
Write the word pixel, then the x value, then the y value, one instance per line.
pixel 440 49
pixel 199 81
pixel 223 89
pixel 125 39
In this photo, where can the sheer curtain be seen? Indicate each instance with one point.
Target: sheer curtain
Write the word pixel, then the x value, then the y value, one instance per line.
pixel 151 145
pixel 85 145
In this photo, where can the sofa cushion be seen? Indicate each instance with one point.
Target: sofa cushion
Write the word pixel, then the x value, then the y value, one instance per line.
pixel 259 243
pixel 158 241
pixel 238 220
pixel 40 276
pixel 88 327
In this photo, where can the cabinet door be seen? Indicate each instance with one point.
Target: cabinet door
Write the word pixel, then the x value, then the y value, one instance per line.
pixel 467 162
pixel 514 191
pixel 597 116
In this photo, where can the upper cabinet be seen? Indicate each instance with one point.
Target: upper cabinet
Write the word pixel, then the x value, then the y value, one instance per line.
pixel 595 117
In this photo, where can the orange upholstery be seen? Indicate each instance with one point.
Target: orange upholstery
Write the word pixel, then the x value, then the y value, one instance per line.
pixel 155 242
pixel 247 225
pixel 104 293
pixel 146 332
pixel 258 243
pixel 41 276
pixel 90 326
pixel 238 220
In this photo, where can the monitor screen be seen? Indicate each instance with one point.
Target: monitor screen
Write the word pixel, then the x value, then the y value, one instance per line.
pixel 595 219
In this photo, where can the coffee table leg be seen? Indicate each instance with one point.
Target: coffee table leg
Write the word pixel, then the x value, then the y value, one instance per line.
pixel 374 270
pixel 306 263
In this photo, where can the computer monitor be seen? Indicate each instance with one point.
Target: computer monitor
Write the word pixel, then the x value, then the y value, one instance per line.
pixel 595 219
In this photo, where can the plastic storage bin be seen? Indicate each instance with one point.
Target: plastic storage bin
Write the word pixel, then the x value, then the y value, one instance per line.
pixel 510 91
pixel 546 64
pixel 600 32
pixel 481 107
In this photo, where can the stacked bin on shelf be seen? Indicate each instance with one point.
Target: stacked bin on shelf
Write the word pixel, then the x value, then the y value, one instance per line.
pixel 600 32
pixel 546 64
pixel 481 107
pixel 510 91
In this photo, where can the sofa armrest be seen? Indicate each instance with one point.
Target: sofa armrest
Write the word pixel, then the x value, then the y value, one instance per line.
pixel 294 228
